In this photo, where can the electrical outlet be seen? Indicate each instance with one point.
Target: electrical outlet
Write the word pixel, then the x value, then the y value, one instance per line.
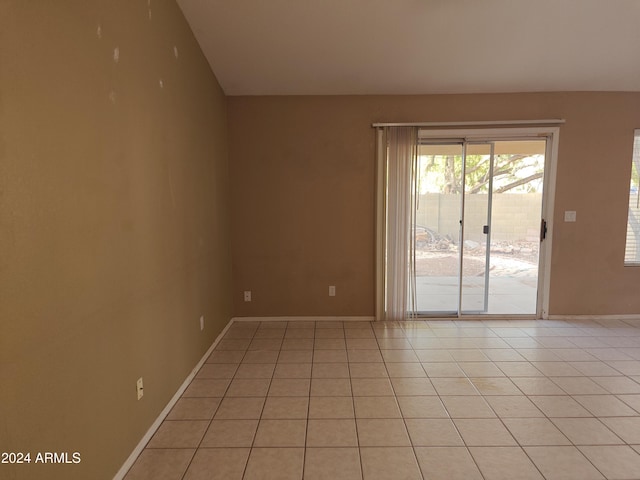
pixel 201 322
pixel 247 295
pixel 139 388
pixel 332 290
pixel 569 216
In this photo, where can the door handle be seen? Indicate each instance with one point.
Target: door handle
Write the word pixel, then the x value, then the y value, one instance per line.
pixel 485 229
pixel 543 229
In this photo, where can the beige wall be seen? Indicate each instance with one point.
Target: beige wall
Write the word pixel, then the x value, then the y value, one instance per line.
pixel 114 234
pixel 302 174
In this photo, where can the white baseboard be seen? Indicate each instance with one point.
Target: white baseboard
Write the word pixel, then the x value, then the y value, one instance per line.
pixel 595 317
pixel 156 424
pixel 304 319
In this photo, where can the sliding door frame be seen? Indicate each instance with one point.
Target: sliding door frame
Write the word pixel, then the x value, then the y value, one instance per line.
pixel 434 132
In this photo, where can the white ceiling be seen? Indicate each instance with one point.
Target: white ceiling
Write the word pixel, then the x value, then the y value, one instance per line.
pixel 325 47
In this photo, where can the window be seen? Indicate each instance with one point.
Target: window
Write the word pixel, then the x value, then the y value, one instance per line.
pixel 632 250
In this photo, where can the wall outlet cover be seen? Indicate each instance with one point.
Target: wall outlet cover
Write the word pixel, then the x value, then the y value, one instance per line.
pixel 570 216
pixel 139 388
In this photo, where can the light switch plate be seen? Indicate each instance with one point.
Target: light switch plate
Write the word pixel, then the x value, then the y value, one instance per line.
pixel 569 216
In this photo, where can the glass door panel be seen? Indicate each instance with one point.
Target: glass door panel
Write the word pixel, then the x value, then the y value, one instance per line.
pixel 515 226
pixel 475 227
pixel 437 229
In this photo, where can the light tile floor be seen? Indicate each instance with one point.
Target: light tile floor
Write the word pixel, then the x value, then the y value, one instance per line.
pixel 492 399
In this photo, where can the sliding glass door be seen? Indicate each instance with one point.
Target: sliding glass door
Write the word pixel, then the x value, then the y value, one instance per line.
pixel 477 226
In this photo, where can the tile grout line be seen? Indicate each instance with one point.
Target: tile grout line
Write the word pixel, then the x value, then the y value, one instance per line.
pixel 353 404
pixel 246 463
pixel 306 432
pixel 255 434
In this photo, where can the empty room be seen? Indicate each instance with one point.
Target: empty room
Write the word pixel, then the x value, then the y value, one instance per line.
pixel 348 239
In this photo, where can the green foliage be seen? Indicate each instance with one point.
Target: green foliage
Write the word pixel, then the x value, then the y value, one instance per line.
pixel 511 172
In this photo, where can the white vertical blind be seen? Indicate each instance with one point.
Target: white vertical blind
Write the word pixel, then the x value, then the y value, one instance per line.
pixel 401 165
pixel 632 249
